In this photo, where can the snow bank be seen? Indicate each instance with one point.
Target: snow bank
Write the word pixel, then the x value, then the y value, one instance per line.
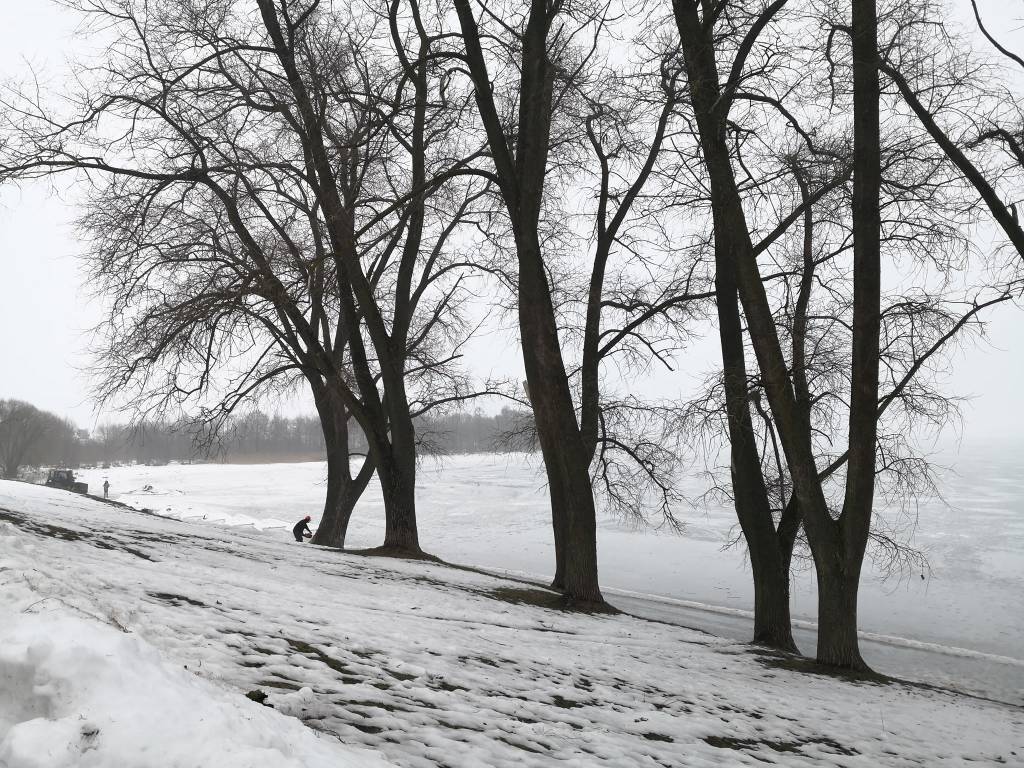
pixel 80 694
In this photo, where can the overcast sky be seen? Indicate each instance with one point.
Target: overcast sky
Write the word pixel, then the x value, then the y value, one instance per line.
pixel 45 317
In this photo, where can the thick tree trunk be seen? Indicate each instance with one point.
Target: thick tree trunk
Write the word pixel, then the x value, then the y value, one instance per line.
pixel 839 556
pixel 522 175
pixel 837 617
pixel 773 627
pixel 343 492
pixel 339 503
pixel 572 499
pixel 396 470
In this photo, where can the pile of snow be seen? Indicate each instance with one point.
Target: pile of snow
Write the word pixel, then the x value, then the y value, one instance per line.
pixel 78 693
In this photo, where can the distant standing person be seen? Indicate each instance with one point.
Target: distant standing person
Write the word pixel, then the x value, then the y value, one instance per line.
pixel 106 488
pixel 301 527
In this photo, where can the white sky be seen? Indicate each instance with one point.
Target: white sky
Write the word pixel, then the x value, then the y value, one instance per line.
pixel 44 317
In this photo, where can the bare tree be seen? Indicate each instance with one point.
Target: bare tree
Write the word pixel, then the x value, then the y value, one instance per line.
pixel 823 386
pixel 267 208
pixel 22 429
pixel 969 111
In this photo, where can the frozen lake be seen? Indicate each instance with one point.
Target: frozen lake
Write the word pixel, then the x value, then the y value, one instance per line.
pixel 962 623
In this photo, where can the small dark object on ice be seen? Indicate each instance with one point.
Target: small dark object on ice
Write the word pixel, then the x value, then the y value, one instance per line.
pixel 302 529
pixel 260 697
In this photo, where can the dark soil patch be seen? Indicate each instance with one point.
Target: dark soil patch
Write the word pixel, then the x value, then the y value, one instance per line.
pixel 348 675
pixel 395 552
pixel 177 600
pixel 751 745
pixel 658 737
pixel 49 530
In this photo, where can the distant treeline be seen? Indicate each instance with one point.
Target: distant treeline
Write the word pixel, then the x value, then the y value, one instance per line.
pixel 32 437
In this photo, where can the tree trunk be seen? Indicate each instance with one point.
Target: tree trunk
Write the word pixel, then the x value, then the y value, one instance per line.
pixel 343 491
pixel 773 627
pixel 572 499
pixel 340 500
pixel 837 617
pixel 839 556
pixel 396 470
pixel 558 512
pixel 769 562
pixel 522 175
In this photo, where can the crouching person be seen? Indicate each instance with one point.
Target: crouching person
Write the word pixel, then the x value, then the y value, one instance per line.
pixel 301 528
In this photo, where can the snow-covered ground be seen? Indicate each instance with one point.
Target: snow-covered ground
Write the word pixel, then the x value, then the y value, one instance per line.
pixel 129 640
pixel 960 625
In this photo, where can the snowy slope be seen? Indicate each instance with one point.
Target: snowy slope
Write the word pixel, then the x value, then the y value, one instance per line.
pixel 428 664
pixel 955 627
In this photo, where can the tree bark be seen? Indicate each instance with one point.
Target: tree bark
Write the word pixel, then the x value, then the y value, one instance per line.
pixel 556 497
pixel 521 174
pixel 396 470
pixel 343 490
pixel 769 564
pixel 773 627
pixel 837 615
pixel 572 499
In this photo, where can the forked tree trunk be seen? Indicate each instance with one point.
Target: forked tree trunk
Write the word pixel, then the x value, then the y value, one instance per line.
pixel 522 174
pixel 572 499
pixel 769 561
pixel 343 492
pixel 839 556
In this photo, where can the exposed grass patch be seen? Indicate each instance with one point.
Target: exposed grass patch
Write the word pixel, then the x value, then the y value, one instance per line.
pixel 546 598
pixel 260 697
pixel 523 747
pixel 793 663
pixel 481 659
pixel 284 685
pixel 348 675
pixel 370 729
pixel 444 685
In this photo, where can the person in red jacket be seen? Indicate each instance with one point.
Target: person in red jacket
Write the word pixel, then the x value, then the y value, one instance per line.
pixel 302 528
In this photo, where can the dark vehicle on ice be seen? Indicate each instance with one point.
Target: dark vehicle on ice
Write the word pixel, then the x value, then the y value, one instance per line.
pixel 65 479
